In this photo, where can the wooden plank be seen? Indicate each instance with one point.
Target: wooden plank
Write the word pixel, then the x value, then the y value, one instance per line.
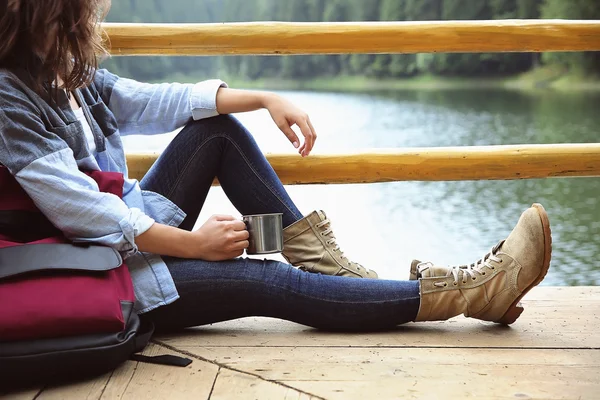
pixel 566 317
pixel 354 37
pixel 425 164
pixel 85 390
pixel 235 385
pixel 29 394
pixel 475 386
pixel 422 373
pixel 134 380
pixel 149 381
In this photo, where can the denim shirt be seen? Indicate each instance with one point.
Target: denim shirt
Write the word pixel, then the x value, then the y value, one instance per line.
pixel 45 148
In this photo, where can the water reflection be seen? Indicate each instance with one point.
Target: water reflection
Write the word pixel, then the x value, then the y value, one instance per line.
pixel 495 116
pixel 474 215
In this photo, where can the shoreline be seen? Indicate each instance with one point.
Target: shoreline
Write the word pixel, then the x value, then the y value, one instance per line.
pixel 539 79
pixel 525 82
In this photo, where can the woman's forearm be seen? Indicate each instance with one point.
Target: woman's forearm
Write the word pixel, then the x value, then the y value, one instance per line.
pixel 231 101
pixel 165 240
pixel 222 237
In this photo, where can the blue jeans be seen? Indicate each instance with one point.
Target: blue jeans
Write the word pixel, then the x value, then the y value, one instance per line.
pixel 218 291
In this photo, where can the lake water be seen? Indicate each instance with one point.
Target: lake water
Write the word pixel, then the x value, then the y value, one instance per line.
pixel 384 226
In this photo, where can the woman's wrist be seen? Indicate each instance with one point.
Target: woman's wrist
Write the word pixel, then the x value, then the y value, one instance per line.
pixel 233 100
pixel 184 243
pixel 266 98
pixel 167 241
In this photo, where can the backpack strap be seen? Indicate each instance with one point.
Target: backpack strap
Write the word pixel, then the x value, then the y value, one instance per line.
pixel 166 359
pixel 16 260
pixel 141 340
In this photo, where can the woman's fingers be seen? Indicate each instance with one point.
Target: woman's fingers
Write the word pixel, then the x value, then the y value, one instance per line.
pixel 307 131
pixel 241 245
pixel 312 128
pixel 235 250
pixel 239 235
pixel 238 239
pixel 223 217
pixel 308 135
pixel 289 132
pixel 230 255
pixel 285 115
pixel 237 225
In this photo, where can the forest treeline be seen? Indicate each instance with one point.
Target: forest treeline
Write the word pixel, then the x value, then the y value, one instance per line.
pixel 375 66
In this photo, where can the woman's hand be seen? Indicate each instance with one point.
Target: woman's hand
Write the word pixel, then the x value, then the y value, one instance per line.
pixel 222 237
pixel 285 115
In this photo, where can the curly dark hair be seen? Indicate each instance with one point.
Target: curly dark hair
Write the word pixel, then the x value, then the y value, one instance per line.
pixel 52 40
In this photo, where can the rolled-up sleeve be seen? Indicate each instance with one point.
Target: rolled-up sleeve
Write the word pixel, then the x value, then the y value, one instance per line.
pixel 73 203
pixel 203 99
pixel 145 109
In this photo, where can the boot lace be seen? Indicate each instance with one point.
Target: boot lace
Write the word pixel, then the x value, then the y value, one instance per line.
pixel 463 272
pixel 328 232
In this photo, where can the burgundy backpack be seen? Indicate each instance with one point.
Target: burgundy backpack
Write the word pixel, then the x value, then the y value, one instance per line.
pixel 66 310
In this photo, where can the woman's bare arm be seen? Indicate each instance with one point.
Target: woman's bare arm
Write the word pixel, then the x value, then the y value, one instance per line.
pixel 284 113
pixel 222 237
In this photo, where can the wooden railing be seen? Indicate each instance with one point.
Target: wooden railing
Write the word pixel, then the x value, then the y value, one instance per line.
pixel 455 163
pixel 426 164
pixel 354 37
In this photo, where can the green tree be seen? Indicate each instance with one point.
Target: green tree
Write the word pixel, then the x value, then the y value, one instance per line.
pixel 394 65
pixel 424 10
pixel 308 66
pixel 367 11
pixel 587 62
pixel 297 11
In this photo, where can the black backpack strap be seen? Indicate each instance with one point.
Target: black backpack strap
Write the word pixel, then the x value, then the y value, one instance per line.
pixel 144 333
pixel 141 341
pixel 167 359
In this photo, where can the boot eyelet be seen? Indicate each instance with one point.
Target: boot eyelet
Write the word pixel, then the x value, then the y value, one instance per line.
pixel 464 282
pixel 474 278
pixel 483 273
pixel 455 284
pixel 445 284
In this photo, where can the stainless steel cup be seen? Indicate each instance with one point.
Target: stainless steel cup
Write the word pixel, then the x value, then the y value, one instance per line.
pixel 266 233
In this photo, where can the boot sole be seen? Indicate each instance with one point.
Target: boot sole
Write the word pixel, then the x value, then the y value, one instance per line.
pixel 515 309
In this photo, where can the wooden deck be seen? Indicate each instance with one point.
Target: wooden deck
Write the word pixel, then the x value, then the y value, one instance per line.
pixel 551 352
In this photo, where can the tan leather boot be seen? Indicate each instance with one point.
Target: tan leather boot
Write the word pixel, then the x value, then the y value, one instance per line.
pixel 310 245
pixel 491 288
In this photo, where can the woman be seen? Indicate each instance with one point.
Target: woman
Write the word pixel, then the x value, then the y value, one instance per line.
pixel 59 115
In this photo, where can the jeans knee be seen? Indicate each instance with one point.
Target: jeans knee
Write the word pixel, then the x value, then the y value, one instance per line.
pixel 223 126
